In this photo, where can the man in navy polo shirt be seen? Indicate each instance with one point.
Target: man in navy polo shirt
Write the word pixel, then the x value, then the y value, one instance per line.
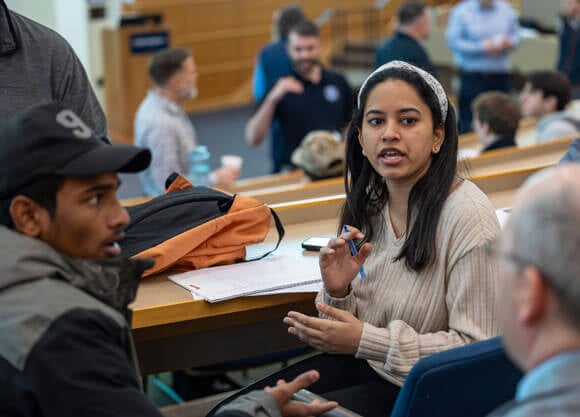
pixel 311 98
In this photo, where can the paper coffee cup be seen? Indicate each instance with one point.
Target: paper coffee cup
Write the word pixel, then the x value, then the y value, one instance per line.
pixel 233 161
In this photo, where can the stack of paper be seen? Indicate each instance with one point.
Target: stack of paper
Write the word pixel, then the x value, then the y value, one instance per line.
pixel 265 276
pixel 503 214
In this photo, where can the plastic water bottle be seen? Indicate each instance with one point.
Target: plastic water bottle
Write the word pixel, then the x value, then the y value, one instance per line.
pixel 199 165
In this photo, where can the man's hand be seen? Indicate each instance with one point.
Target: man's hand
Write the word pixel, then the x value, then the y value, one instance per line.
pixel 506 44
pixel 339 336
pixel 283 392
pixel 225 175
pixel 492 48
pixel 284 86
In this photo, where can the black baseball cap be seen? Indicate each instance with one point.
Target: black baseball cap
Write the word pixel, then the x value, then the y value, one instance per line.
pixel 49 139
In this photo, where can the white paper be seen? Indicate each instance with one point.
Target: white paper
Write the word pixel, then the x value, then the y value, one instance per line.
pixel 314 287
pixel 503 215
pixel 273 273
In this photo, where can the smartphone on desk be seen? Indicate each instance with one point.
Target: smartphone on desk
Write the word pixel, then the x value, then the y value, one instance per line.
pixel 315 243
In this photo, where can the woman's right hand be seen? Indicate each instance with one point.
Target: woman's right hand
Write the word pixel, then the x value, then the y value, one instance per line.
pixel 338 266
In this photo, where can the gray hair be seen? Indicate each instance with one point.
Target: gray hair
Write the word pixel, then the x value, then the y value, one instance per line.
pixel 545 230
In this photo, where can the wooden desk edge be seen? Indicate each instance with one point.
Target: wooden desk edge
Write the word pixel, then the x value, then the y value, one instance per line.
pixel 158 315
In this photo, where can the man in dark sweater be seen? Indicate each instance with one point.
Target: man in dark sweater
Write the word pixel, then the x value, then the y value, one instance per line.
pixel 405 45
pixel 495 120
pixel 569 33
pixel 65 336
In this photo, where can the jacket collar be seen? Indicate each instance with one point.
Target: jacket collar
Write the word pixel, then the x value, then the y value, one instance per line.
pixel 113 281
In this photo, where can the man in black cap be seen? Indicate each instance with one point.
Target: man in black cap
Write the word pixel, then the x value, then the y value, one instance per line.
pixel 65 339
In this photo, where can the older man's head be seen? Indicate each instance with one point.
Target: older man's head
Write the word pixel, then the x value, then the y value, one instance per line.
pixel 539 299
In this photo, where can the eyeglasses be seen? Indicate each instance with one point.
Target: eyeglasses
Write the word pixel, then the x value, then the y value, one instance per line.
pixel 492 249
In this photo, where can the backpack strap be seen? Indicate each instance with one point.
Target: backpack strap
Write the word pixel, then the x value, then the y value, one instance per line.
pixel 279 229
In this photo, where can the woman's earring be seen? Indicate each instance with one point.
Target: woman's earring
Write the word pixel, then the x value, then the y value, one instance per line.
pixel 436 149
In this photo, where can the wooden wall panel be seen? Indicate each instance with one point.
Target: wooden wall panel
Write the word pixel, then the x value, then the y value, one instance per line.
pixel 173 17
pixel 215 16
pixel 225 37
pixel 214 51
pixel 218 83
pixel 258 13
pixel 252 43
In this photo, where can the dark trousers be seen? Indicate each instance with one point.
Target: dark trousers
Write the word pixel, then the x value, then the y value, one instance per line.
pixel 349 381
pixel 473 84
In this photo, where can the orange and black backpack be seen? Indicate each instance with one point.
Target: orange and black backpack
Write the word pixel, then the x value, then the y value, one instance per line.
pixel 195 227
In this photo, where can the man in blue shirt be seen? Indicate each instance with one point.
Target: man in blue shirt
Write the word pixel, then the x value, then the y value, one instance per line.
pixel 539 298
pixel 481 33
pixel 569 33
pixel 405 44
pixel 311 98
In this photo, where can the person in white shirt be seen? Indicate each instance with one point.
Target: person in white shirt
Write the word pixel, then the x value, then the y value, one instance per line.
pixel 162 126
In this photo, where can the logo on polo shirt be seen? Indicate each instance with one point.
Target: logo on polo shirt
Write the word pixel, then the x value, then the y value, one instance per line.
pixel 331 93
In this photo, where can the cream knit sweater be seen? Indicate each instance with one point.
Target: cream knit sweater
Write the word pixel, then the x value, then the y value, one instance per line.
pixel 407 315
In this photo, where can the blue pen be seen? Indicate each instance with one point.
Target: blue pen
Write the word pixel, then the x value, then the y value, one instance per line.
pixel 354 252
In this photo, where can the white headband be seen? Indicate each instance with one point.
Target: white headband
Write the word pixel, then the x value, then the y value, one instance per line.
pixel 435 85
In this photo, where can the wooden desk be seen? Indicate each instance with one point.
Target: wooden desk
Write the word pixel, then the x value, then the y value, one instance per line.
pixel 526 131
pixel 265 181
pixel 173 331
pixel 509 159
pixel 293 192
pixel 493 162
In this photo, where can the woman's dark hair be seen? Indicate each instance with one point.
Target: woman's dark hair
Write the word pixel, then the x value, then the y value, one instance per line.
pixel 43 192
pixel 366 190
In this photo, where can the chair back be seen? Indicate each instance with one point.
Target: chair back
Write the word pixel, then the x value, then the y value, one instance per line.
pixel 471 380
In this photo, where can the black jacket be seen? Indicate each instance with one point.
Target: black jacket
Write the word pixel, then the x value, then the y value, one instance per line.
pixel 65 340
pixel 65 344
pixel 505 141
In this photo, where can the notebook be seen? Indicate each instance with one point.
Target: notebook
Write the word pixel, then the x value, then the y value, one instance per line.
pixel 221 283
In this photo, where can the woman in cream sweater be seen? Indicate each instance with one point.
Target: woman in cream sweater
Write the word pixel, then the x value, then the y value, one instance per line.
pixel 430 285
